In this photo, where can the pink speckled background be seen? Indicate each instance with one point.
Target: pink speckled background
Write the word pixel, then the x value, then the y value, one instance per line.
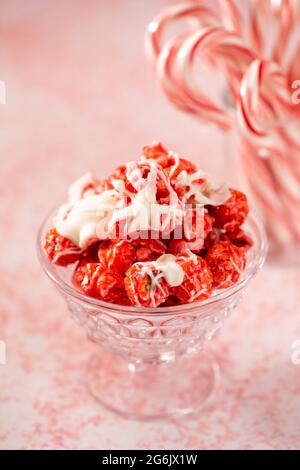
pixel 80 96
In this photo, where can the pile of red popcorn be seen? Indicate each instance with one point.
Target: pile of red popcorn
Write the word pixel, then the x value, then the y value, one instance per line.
pixel 130 239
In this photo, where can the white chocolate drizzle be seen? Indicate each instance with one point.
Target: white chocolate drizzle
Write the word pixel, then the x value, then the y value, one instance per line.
pixel 165 267
pixel 89 219
pixel 204 193
pixel 90 216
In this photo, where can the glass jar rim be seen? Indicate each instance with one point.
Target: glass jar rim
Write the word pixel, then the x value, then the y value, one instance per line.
pixel 49 268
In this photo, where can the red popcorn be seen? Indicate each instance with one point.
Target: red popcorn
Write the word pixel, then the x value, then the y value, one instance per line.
pixel 60 250
pixel 157 152
pixel 86 276
pixel 120 255
pixel 145 286
pixel 172 165
pixel 232 213
pixel 93 280
pixel 110 286
pixel 198 281
pixel 177 165
pixel 168 160
pixel 118 174
pixel 226 262
pixel 132 258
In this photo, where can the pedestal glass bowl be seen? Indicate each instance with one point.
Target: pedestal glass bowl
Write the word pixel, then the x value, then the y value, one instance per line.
pixel 153 363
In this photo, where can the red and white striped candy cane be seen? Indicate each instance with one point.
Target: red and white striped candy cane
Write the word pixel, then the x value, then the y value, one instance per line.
pixel 164 58
pixel 267 26
pixel 175 73
pixel 268 123
pixel 175 70
pixel 215 45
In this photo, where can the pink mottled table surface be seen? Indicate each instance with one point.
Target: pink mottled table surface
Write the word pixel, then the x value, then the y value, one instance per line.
pixel 80 96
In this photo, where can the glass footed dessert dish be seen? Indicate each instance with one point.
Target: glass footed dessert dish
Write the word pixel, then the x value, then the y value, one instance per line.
pixel 153 306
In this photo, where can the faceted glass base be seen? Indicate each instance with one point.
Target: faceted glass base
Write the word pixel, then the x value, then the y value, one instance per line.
pixel 153 391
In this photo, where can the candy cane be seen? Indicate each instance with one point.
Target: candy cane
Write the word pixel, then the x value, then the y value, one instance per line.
pixel 177 81
pixel 265 85
pixel 175 69
pixel 164 56
pixel 270 145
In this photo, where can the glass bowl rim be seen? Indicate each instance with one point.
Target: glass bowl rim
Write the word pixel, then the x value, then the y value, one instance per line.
pixel 48 268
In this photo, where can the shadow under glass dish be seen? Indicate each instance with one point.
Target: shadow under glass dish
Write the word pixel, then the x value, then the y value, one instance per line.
pixel 153 363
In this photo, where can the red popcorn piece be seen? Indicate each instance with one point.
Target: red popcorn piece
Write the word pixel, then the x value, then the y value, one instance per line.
pixel 177 165
pixel 60 250
pixel 86 276
pixel 120 255
pixel 232 213
pixel 226 262
pixel 162 192
pixel 158 153
pixel 119 174
pixel 93 280
pixel 172 165
pixel 145 286
pixel 140 173
pixel 197 282
pixel 116 254
pixel 110 286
